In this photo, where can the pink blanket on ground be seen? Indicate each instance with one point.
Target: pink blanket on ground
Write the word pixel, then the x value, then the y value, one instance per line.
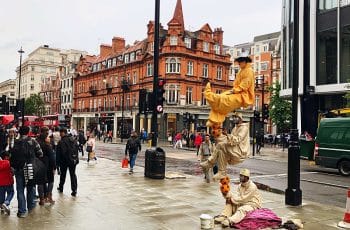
pixel 259 219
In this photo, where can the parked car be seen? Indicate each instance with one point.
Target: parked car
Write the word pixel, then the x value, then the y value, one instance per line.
pixel 332 145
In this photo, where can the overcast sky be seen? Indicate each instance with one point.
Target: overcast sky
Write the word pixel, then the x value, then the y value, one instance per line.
pixel 84 24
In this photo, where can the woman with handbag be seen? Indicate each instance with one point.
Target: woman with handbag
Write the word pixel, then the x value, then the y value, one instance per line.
pixel 90 148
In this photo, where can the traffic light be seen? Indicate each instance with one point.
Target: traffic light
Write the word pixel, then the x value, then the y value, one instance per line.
pixel 142 101
pixel 160 95
pixel 256 115
pixel 265 112
pixel 3 104
pixel 18 109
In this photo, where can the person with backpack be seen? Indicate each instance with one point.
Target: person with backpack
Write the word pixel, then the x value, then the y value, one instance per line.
pixel 68 150
pixel 23 155
pixel 133 145
pixel 45 188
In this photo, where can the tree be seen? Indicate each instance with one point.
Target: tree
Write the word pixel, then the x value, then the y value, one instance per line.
pixel 280 109
pixel 34 105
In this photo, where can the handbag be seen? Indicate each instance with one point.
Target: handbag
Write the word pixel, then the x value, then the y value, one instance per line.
pixel 125 163
pixel 89 148
pixel 91 155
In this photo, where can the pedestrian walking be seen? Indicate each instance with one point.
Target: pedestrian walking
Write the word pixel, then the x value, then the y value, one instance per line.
pixel 10 139
pixel 178 140
pixel 6 183
pixel 45 188
pixel 90 148
pixel 133 145
pixel 24 151
pixel 198 141
pixel 205 150
pixel 68 150
pixel 82 141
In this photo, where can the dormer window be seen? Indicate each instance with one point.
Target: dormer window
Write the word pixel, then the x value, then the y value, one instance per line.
pixel 206 47
pixel 132 56
pixel 173 40
pixel 126 58
pixel 188 43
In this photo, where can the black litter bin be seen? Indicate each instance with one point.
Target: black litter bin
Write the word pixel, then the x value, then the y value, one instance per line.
pixel 155 163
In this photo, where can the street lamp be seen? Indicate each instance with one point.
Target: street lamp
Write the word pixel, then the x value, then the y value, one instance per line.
pixel 293 193
pixel 20 101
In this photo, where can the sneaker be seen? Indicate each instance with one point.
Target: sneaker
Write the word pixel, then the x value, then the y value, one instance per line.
pixel 74 194
pixel 6 209
pixel 22 215
pixel 131 171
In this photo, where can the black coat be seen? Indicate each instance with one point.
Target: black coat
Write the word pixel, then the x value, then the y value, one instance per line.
pixel 64 151
pixel 48 159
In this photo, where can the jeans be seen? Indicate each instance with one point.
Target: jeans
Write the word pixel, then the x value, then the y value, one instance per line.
pixel 20 185
pixel 73 177
pixel 132 159
pixel 6 194
pixel 45 189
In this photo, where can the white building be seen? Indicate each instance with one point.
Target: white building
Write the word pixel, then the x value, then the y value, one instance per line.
pixel 39 64
pixel 70 59
pixel 324 57
pixel 8 88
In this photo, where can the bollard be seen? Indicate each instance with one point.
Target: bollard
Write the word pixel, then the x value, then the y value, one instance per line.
pixel 346 221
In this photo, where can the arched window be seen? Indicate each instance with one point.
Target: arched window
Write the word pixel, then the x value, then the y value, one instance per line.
pixel 172 65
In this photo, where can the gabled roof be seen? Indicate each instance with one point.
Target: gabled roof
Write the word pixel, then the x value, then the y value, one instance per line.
pixel 206 28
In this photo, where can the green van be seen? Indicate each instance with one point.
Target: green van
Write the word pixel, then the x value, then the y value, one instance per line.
pixel 332 145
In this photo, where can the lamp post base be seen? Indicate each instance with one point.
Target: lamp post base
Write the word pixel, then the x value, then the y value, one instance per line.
pixel 293 197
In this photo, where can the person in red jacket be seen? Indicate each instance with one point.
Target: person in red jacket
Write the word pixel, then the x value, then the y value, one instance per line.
pixel 6 183
pixel 198 141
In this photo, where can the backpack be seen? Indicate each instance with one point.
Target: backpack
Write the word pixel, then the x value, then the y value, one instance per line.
pixel 73 150
pixel 133 144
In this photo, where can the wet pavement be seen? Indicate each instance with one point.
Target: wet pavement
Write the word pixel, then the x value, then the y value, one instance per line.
pixel 110 198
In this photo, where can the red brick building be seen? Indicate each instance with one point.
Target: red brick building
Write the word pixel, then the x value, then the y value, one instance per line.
pixel 186 57
pixel 51 93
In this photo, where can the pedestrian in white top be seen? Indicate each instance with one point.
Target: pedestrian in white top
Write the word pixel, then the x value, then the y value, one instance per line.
pixel 90 148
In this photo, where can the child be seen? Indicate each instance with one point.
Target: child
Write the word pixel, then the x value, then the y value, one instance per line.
pixel 6 183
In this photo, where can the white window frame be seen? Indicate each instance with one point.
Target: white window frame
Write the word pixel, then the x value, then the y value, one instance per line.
pixel 132 56
pixel 149 69
pixel 203 99
pixel 151 46
pixel 173 40
pixel 172 94
pixel 263 64
pixel 172 65
pixel 109 63
pixel 219 72
pixel 134 79
pixel 217 49
pixel 206 47
pixel 205 71
pixel 190 68
pixel 114 62
pixel 189 95
pixel 126 58
pixel 188 42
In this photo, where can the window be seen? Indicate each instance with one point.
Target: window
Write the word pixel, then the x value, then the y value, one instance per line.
pixel 188 43
pixel 218 91
pixel 126 58
pixel 151 46
pixel 172 95
pixel 32 87
pixel 189 95
pixel 345 49
pixel 266 48
pixel 173 40
pixel 149 69
pixel 114 62
pixel 32 77
pixel 219 73
pixel 257 49
pixel 205 70
pixel 206 47
pixel 115 101
pixel 327 4
pixel 109 63
pixel 172 65
pixel 190 68
pixel 69 98
pixel 134 79
pixel 33 68
pixel 132 56
pixel 98 66
pixel 264 66
pixel 327 57
pixel 203 100
pixel 217 49
pixel 231 71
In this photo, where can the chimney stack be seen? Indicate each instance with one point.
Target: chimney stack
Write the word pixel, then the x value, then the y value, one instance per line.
pixel 105 50
pixel 118 44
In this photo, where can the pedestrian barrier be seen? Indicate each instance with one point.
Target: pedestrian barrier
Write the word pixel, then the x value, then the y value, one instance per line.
pixel 346 222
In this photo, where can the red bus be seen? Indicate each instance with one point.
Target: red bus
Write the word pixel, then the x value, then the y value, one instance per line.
pixel 33 122
pixel 56 120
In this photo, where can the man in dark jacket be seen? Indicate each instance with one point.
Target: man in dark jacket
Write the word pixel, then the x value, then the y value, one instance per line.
pixel 24 150
pixel 68 150
pixel 132 146
pixel 82 141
